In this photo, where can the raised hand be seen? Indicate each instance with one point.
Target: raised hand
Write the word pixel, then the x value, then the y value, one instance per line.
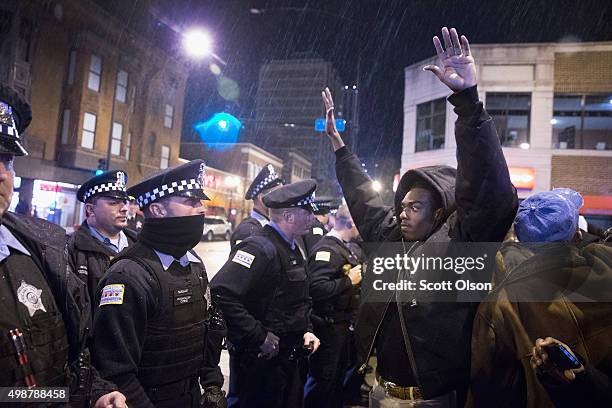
pixel 457 69
pixel 330 122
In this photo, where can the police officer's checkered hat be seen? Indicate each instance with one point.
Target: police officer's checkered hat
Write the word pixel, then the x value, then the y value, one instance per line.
pixel 108 184
pixel 300 194
pixel 186 180
pixel 15 116
pixel 266 179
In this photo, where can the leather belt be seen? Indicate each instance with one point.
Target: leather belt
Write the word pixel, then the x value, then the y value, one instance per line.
pixel 396 391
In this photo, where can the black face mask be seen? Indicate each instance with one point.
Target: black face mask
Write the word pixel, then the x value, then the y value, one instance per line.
pixel 172 235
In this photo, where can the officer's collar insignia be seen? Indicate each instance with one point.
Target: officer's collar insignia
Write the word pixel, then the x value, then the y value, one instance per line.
pixel 30 297
pixel 6 114
pixel 202 174
pixel 121 180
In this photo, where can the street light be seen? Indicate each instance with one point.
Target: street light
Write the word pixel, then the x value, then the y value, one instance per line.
pixel 376 186
pixel 197 43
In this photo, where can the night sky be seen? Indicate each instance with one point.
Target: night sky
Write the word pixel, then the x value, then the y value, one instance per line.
pixel 387 35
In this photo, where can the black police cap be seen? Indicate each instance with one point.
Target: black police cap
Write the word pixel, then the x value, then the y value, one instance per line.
pixel 300 194
pixel 108 184
pixel 325 205
pixel 186 180
pixel 15 117
pixel 266 179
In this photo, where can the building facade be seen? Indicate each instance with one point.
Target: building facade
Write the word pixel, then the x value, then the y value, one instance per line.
pixel 288 102
pixel 552 107
pixel 96 83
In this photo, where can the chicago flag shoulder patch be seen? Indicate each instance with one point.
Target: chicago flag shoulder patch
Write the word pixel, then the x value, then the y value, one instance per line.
pixel 112 294
pixel 323 256
pixel 243 258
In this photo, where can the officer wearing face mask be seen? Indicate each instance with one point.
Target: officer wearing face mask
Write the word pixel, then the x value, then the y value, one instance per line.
pixel 152 322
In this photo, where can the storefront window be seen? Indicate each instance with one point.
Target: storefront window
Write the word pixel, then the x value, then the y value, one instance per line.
pixel 55 202
pixel 582 122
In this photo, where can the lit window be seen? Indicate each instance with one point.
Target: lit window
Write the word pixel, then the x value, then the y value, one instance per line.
pixel 116 139
pixel 430 125
pixel 165 157
pixel 582 122
pixel 95 73
pixel 168 116
pixel 122 83
pixel 511 113
pixel 89 130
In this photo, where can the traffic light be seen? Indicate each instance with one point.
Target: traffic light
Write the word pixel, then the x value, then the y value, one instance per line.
pixel 102 166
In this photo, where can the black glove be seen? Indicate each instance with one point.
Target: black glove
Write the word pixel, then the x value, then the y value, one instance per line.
pixel 213 397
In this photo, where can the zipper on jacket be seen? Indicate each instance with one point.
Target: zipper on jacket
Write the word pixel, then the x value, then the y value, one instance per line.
pixel 364 366
pixel 400 313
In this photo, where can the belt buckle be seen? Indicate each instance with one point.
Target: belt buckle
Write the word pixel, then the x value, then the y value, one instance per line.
pixel 403 393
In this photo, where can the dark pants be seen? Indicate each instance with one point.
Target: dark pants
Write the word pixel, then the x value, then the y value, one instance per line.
pixel 188 398
pixel 328 366
pixel 278 382
pixel 232 393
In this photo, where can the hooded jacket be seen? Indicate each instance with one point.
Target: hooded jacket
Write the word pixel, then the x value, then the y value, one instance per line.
pixel 479 204
pixel 505 330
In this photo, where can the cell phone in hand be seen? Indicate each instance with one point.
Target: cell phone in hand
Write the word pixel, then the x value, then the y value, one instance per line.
pixel 562 358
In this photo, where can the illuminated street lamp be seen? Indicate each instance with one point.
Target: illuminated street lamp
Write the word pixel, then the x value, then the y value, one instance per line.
pixel 376 186
pixel 197 43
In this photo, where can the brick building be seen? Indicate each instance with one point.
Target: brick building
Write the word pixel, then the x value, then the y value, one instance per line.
pixel 552 106
pixel 90 74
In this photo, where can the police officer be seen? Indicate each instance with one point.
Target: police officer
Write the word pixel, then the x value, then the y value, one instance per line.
pixel 151 323
pixel 135 217
pixel 263 293
pixel 334 268
pixel 103 233
pixel 265 181
pixel 44 306
pixel 320 226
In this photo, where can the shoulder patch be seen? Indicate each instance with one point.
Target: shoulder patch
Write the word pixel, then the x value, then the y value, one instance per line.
pixel 112 295
pixel 243 258
pixel 323 256
pixel 317 231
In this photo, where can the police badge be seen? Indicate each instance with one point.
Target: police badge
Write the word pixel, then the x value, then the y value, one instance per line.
pixel 202 175
pixel 121 180
pixel 30 297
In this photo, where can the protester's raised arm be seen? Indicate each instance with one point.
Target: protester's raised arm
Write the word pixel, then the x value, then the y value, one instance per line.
pixel 330 122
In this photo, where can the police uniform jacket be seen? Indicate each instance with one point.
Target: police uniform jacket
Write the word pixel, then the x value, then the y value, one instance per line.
pixel 151 327
pixel 56 337
pixel 263 287
pixel 89 257
pixel 247 227
pixel 335 299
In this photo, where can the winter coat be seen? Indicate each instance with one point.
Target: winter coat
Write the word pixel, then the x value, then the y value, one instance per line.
pixel 479 205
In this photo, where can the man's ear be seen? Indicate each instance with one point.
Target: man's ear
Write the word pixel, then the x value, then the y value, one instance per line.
pixel 89 209
pixel 438 215
pixel 157 210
